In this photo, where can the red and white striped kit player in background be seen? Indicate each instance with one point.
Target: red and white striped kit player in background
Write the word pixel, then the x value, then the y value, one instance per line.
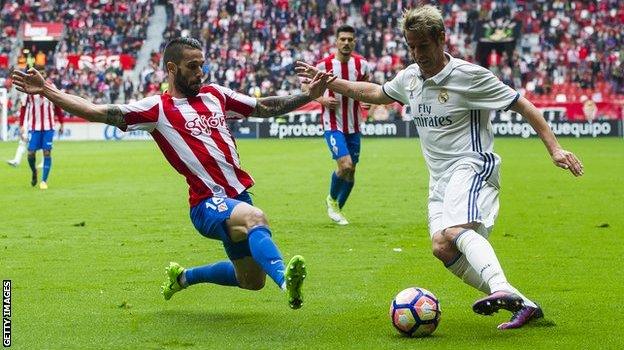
pixel 188 123
pixel 38 116
pixel 341 118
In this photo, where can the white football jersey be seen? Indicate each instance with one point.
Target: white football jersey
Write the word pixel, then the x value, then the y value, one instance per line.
pixel 451 112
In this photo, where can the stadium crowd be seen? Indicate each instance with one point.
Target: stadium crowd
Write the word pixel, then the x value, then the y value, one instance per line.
pixel 572 48
pixel 93 27
pixel 251 46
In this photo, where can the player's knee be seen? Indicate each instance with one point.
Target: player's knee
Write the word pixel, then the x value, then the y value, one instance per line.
pixel 252 283
pixel 451 233
pixel 443 248
pixel 346 166
pixel 438 246
pixel 256 217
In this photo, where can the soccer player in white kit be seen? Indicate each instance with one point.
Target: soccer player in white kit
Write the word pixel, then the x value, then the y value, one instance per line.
pixel 450 100
pixel 188 122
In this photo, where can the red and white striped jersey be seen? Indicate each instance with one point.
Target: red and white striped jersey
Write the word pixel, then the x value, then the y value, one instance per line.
pixel 39 114
pixel 347 115
pixel 193 135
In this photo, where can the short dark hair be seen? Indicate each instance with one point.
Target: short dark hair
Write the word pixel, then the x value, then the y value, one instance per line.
pixel 345 28
pixel 174 49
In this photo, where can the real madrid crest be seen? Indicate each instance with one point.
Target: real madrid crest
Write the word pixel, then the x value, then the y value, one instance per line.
pixel 443 96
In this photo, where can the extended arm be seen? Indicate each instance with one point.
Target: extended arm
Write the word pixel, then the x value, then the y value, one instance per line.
pixel 32 82
pixel 277 105
pixel 561 157
pixel 357 90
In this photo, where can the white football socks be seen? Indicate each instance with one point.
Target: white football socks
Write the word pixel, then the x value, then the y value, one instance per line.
pixel 21 148
pixel 462 269
pixel 482 259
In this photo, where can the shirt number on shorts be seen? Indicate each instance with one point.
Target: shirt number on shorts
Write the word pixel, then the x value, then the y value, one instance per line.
pixel 217 204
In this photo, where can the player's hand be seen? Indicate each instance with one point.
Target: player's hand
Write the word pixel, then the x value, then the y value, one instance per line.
pixel 318 84
pixel 305 71
pixel 30 82
pixel 329 102
pixel 567 160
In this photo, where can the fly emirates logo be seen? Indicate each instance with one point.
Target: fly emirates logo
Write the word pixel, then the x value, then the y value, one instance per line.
pixel 204 123
pixel 424 119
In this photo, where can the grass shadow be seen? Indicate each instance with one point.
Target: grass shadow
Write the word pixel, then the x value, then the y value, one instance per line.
pixel 195 317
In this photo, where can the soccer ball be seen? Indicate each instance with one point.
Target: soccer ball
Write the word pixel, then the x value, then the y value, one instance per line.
pixel 415 312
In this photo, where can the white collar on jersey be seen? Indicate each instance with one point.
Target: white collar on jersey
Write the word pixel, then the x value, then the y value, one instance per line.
pixel 437 79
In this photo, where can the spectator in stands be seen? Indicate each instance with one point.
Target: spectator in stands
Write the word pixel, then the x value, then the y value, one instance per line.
pixel 562 39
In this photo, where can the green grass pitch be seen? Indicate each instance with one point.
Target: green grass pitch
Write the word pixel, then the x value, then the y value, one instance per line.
pixel 96 286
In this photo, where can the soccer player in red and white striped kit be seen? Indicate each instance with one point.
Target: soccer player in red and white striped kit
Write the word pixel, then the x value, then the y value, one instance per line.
pixel 38 115
pixel 341 118
pixel 188 122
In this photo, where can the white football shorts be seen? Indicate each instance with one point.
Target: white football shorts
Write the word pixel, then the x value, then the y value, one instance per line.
pixel 463 196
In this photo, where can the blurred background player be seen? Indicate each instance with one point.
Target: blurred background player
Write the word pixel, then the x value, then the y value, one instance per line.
pixel 450 101
pixel 23 138
pixel 341 118
pixel 188 123
pixel 38 115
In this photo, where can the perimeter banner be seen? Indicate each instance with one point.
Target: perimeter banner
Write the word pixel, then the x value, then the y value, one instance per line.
pixel 82 131
pixel 408 129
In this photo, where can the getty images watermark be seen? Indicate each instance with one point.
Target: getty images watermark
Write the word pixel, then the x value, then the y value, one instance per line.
pixel 6 313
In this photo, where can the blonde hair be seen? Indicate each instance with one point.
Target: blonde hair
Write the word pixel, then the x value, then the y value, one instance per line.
pixel 424 19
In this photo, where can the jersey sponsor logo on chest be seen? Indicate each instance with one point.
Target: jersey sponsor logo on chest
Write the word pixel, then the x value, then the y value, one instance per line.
pixel 204 123
pixel 423 118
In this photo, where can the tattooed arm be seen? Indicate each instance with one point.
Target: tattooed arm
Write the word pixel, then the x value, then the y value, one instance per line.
pixel 32 82
pixel 278 105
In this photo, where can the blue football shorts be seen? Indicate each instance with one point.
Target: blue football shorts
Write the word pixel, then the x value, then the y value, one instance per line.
pixel 41 140
pixel 341 145
pixel 209 218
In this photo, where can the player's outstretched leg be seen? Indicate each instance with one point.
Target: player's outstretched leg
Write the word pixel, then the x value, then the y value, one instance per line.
pixel 265 253
pixel 295 275
pixel 481 256
pixel 496 301
pixel 172 284
pixel 522 317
